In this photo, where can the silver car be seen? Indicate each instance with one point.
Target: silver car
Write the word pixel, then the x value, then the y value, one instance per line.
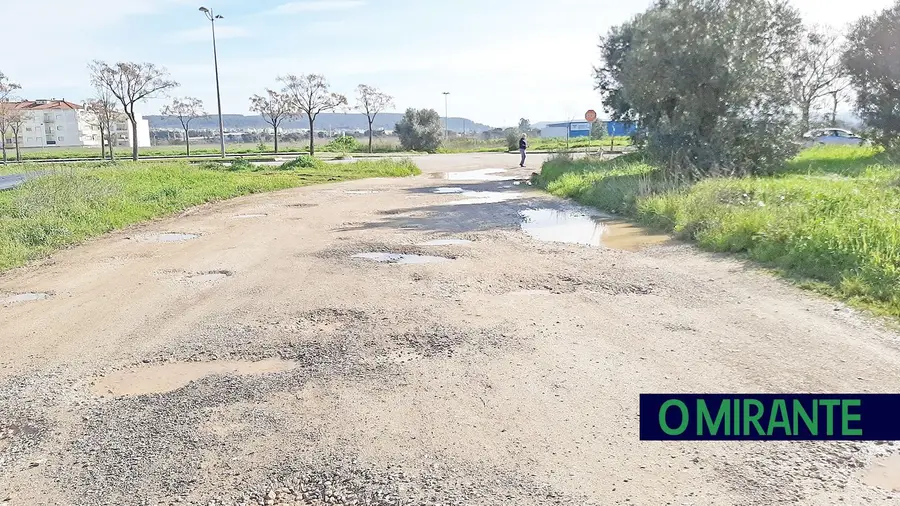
pixel 831 136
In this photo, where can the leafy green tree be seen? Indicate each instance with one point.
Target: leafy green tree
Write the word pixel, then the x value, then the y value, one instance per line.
pixel 420 130
pixel 871 60
pixel 708 81
pixel 524 126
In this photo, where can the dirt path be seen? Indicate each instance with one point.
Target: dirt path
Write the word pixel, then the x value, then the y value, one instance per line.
pixel 259 355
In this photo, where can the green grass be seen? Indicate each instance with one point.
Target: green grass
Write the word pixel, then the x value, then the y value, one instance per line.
pixel 79 201
pixel 829 219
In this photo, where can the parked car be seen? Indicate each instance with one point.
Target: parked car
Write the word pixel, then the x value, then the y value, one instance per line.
pixel 830 136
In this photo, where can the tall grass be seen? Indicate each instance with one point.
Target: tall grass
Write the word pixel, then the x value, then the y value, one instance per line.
pixel 830 218
pixel 75 202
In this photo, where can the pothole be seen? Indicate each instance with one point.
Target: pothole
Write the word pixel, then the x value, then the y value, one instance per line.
pixel 18 298
pixel 884 473
pixel 400 258
pixel 157 379
pixel 551 225
pixel 170 237
pixel 485 197
pixel 478 175
pixel 302 205
pixel 444 242
pixel 444 190
pixel 249 216
pixel 207 277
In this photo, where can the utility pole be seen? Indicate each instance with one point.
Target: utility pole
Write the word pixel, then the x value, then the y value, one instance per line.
pixel 212 19
pixel 446 115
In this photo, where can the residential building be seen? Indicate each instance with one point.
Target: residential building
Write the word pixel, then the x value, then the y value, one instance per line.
pixel 58 123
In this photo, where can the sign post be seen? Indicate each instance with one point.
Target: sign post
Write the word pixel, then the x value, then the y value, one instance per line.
pixel 590 116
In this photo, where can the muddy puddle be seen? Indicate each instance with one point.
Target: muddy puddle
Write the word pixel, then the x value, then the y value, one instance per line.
pixel 18 298
pixel 574 227
pixel 476 197
pixel 445 242
pixel 400 258
pixel 884 473
pixel 162 378
pixel 169 237
pixel 478 175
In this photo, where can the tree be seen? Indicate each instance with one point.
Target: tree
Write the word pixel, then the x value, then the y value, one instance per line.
pixel 814 69
pixel 6 109
pixel 131 83
pixel 420 130
pixel 372 101
pixel 16 118
pixel 309 95
pixel 708 81
pixel 186 109
pixel 871 60
pixel 274 109
pixel 524 126
pixel 103 113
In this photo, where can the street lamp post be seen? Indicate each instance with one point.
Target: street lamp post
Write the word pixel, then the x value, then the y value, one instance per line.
pixel 212 19
pixel 446 116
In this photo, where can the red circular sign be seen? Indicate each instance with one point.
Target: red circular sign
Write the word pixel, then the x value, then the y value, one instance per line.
pixel 590 116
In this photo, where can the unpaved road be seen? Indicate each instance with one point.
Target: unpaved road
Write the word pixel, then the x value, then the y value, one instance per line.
pixel 261 356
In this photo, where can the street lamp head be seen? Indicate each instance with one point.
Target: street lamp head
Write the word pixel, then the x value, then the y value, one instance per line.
pixel 204 9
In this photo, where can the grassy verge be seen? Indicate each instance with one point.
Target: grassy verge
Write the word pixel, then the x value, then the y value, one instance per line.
pixel 75 202
pixel 830 218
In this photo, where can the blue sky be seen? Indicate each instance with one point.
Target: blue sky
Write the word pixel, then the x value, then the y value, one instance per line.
pixel 499 60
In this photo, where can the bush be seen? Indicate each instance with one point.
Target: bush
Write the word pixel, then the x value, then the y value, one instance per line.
pixel 420 130
pixel 343 144
pixel 512 141
pixel 241 164
pixel 303 162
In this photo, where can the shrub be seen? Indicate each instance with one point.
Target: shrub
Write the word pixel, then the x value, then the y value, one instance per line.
pixel 302 162
pixel 343 144
pixel 241 164
pixel 420 130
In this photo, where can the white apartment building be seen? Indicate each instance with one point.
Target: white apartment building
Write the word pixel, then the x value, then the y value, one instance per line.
pixel 57 123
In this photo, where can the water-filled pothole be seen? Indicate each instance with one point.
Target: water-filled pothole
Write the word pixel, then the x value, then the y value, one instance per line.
pixel 207 277
pixel 171 237
pixel 248 216
pixel 17 298
pixel 400 258
pixel 884 473
pixel 478 175
pixel 167 377
pixel 444 242
pixel 552 225
pixel 484 197
pixel 446 189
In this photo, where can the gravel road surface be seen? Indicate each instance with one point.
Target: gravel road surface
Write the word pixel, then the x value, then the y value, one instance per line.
pixel 254 351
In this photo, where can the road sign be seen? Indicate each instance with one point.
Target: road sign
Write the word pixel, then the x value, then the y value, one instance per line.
pixel 590 116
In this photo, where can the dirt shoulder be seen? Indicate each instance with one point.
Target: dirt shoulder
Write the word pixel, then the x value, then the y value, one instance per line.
pixel 508 374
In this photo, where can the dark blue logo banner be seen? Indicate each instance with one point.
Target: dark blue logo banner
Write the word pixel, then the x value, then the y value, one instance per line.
pixel 776 417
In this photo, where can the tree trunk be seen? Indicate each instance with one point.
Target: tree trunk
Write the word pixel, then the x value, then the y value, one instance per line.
pixel 370 134
pixel 275 127
pixel 109 140
pixel 134 138
pixel 804 117
pixel 312 137
pixel 3 146
pixel 18 154
pixel 187 141
pixel 102 145
pixel 834 112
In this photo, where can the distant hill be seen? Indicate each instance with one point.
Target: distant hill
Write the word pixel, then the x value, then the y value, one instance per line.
pixel 324 121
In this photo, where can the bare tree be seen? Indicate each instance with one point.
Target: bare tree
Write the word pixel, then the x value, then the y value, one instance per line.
pixel 274 108
pixel 838 92
pixel 814 69
pixel 372 101
pixel 16 118
pixel 6 109
pixel 104 114
pixel 131 83
pixel 309 95
pixel 186 109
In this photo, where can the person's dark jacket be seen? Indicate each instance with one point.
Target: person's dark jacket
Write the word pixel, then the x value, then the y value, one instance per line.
pixel 523 144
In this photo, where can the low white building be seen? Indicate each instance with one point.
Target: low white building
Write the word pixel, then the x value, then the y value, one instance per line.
pixel 57 123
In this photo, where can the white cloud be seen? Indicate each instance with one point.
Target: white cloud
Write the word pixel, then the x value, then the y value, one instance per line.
pixel 317 6
pixel 203 34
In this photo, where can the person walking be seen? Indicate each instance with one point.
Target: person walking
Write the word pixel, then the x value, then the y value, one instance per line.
pixel 523 147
